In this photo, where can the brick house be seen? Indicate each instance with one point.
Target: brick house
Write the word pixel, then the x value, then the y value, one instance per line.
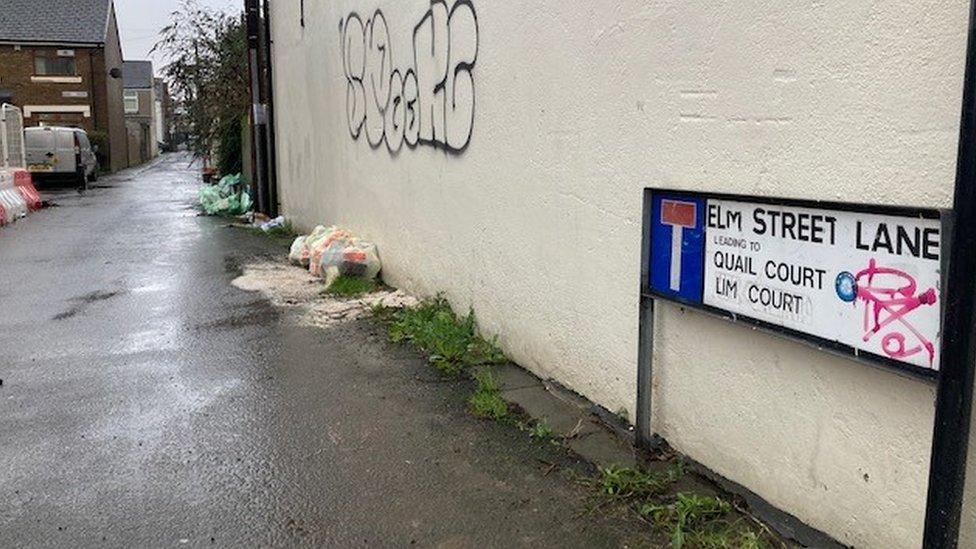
pixel 139 100
pixel 61 62
pixel 163 114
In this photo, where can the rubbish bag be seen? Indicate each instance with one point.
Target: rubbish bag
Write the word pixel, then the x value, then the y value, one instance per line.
pixel 331 255
pixel 230 183
pixel 315 244
pixel 360 259
pixel 330 252
pixel 331 258
pixel 350 257
pixel 209 196
pixel 245 203
pixel 237 204
pixel 299 253
pixel 304 253
pixel 225 198
pixel 335 239
pixel 273 224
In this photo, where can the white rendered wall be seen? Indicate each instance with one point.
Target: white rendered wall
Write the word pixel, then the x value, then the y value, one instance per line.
pixel 537 223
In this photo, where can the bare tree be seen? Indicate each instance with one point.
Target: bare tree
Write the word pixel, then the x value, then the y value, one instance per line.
pixel 207 70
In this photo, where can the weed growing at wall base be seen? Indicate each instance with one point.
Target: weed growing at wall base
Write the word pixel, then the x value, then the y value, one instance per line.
pixel 701 522
pixel 451 343
pixel 350 287
pixel 453 346
pixel 691 521
pixel 629 484
pixel 486 402
pixel 542 431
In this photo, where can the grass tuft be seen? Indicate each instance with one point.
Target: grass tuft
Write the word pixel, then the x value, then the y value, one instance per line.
pixel 541 431
pixel 486 402
pixel 623 415
pixel 632 484
pixel 451 342
pixel 383 313
pixel 350 287
pixel 701 522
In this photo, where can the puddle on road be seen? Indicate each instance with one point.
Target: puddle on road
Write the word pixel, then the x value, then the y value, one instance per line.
pixel 294 287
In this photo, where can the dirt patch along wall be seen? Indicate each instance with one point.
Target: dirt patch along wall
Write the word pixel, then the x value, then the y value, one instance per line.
pixel 294 287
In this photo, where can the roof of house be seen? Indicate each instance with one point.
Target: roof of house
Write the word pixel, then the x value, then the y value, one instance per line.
pixel 137 75
pixel 55 21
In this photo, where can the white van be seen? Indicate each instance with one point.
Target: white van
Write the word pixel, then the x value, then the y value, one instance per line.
pixel 61 152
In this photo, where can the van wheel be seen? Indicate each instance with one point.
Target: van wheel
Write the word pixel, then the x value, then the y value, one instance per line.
pixel 82 181
pixel 94 175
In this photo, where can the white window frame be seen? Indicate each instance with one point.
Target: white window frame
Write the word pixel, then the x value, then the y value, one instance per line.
pixel 127 99
pixel 31 110
pixel 46 55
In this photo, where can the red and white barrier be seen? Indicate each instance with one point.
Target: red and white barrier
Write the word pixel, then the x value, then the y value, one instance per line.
pixel 25 186
pixel 14 204
pixel 17 192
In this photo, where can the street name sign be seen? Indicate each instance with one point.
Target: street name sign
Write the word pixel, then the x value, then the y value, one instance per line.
pixel 860 280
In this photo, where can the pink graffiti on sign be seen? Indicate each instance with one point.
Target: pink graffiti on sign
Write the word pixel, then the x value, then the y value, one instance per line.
pixel 890 298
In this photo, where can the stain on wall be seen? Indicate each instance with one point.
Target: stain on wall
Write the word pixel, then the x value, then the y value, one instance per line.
pixel 429 103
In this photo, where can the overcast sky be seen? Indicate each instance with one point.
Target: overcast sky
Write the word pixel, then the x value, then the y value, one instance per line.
pixel 140 21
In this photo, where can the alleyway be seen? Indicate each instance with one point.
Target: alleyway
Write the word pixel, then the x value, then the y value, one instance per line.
pixel 147 402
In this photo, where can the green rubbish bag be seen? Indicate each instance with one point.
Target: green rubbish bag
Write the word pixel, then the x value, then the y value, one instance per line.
pixel 228 183
pixel 237 204
pixel 209 199
pixel 246 203
pixel 218 200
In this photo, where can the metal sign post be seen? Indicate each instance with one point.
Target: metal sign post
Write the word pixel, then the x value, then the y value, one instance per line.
pixel 950 439
pixel 645 437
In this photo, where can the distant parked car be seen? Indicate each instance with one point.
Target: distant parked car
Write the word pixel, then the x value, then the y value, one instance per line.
pixel 54 152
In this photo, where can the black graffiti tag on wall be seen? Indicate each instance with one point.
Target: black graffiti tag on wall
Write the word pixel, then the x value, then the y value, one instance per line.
pixel 432 102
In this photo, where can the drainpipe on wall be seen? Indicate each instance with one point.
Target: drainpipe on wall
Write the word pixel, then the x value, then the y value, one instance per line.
pixel 950 439
pixel 258 113
pixel 271 149
pixel 91 89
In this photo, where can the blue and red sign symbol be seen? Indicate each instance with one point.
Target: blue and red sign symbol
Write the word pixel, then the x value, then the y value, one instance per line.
pixel 677 246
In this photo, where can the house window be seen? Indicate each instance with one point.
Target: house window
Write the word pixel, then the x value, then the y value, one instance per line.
pixel 131 100
pixel 52 64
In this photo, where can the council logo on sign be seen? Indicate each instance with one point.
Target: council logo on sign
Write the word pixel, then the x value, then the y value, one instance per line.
pixel 846 286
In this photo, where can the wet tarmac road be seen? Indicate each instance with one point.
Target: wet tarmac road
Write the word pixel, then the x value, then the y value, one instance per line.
pixel 148 403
